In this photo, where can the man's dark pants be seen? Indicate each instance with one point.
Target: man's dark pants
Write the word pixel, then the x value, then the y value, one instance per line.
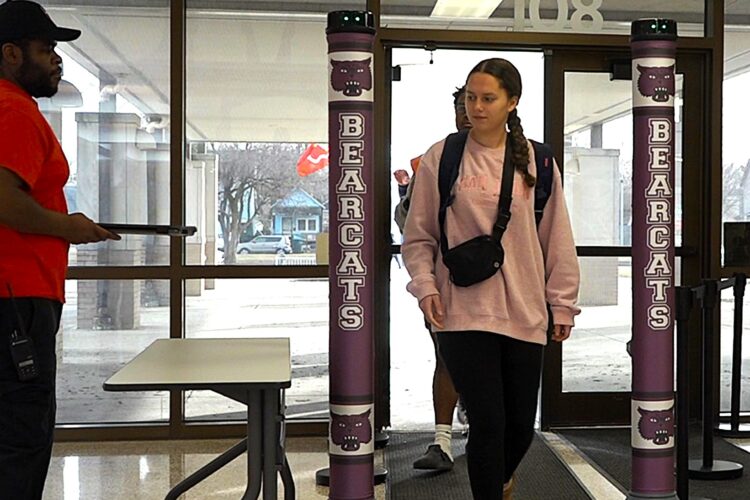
pixel 27 409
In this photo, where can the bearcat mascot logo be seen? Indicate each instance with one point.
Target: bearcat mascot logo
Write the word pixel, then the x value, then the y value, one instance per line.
pixel 351 77
pixel 656 82
pixel 656 425
pixel 348 431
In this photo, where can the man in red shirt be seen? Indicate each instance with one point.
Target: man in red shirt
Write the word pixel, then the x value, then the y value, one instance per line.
pixel 35 232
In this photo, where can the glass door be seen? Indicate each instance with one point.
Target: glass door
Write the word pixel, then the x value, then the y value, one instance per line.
pixel 422 113
pixel 589 125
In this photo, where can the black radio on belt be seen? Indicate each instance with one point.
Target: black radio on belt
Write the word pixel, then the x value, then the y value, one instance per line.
pixel 22 352
pixel 21 347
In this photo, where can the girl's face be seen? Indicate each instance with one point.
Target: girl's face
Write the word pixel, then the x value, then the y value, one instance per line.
pixel 488 104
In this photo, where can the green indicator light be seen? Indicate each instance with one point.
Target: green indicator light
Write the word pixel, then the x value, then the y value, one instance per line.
pixel 346 18
pixel 653 26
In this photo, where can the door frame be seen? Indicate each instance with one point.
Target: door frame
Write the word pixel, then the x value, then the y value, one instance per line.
pixel 567 409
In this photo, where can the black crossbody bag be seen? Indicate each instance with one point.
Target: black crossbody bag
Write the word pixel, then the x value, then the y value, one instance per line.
pixel 479 258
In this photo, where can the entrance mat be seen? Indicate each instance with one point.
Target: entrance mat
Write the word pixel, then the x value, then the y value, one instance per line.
pixel 540 475
pixel 609 451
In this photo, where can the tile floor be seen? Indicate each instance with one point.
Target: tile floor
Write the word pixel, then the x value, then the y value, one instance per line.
pixel 145 470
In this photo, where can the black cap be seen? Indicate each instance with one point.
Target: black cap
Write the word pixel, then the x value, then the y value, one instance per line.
pixel 21 19
pixel 350 21
pixel 653 29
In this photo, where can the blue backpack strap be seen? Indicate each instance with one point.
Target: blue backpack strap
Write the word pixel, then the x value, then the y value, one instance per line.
pixel 450 161
pixel 543 188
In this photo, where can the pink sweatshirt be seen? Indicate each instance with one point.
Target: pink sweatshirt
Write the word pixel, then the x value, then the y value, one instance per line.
pixel 512 302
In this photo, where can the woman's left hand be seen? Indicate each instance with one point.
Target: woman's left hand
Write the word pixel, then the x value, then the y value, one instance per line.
pixel 561 332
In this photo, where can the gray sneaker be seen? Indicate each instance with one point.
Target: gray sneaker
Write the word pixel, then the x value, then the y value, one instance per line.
pixel 434 459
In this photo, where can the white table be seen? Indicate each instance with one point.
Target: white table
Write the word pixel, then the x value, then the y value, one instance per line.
pixel 254 372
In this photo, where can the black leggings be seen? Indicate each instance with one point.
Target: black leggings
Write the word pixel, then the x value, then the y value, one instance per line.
pixel 498 379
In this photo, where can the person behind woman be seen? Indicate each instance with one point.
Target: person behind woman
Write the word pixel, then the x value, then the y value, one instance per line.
pixel 438 456
pixel 491 334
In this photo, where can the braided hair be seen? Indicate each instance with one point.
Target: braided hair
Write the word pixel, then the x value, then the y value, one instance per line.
pixel 509 79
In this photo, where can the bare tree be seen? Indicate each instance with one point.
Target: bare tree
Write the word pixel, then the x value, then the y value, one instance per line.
pixel 252 177
pixel 733 195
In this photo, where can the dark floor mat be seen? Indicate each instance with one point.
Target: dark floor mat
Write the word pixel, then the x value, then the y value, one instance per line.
pixel 609 450
pixel 540 475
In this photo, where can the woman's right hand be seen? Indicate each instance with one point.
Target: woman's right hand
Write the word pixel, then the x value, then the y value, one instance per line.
pixel 432 308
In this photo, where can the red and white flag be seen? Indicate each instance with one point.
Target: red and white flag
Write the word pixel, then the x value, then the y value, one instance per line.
pixel 313 159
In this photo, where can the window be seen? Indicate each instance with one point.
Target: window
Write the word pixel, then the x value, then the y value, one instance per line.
pixel 307 225
pixel 735 150
pixel 105 324
pixel 111 114
pixel 296 308
pixel 736 171
pixel 250 121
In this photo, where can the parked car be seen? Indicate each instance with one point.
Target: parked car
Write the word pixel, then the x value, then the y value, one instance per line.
pixel 272 243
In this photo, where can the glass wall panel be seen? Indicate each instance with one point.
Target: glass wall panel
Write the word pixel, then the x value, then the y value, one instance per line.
pixel 111 114
pixel 422 114
pixel 257 127
pixel 598 162
pixel 239 308
pixel 563 16
pixel 594 358
pixel 736 186
pixel 727 336
pixel 105 324
pixel 736 149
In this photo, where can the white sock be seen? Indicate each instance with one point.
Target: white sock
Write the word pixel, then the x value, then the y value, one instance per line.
pixel 443 438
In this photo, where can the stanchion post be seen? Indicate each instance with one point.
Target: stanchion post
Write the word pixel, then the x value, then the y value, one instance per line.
pixel 740 281
pixel 707 468
pixel 733 428
pixel 710 297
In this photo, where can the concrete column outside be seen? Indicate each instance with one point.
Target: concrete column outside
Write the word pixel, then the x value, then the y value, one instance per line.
pixel 592 191
pixel 156 292
pixel 597 135
pixel 113 187
pixel 195 196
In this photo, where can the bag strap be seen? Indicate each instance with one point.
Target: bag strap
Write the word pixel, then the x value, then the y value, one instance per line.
pixel 506 194
pixel 450 162
pixel 543 189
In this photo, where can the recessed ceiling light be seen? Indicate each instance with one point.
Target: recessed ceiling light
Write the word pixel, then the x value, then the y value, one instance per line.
pixel 465 8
